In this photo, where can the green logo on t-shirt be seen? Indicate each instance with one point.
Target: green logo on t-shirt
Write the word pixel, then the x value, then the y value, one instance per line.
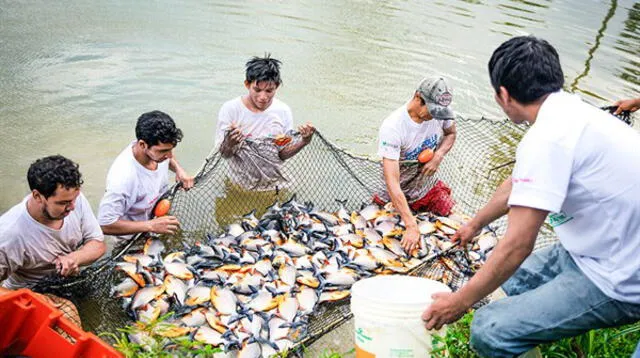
pixel 557 219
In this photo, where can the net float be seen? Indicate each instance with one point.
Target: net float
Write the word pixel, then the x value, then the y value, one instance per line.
pixel 162 208
pixel 425 156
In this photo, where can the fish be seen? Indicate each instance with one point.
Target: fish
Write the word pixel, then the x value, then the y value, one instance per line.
pixel 208 335
pixel 263 301
pixel 179 270
pixel 223 300
pixel 126 288
pixel 333 295
pixel 197 295
pixel 288 307
pixel 370 212
pixel 175 288
pixel 307 299
pixel 153 247
pixel 146 295
pixel 252 288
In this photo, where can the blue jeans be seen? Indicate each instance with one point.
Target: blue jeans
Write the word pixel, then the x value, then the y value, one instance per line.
pixel 549 299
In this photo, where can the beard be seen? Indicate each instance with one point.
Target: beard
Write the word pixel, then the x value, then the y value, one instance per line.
pixel 48 216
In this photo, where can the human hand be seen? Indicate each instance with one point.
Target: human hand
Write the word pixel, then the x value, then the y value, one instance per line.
pixel 306 131
pixel 67 265
pixel 410 238
pixel 631 105
pixel 431 167
pixel 185 179
pixel 164 225
pixel 465 234
pixel 234 135
pixel 447 307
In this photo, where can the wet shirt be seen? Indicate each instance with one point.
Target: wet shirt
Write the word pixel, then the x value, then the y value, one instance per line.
pixel 275 120
pixel 400 138
pixel 582 165
pixel 132 190
pixel 255 164
pixel 28 248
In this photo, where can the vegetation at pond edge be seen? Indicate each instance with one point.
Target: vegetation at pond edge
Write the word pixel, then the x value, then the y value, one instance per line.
pixel 601 343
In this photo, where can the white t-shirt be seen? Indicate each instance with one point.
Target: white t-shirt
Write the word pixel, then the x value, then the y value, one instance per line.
pixel 583 165
pixel 28 248
pixel 132 190
pixel 400 138
pixel 277 119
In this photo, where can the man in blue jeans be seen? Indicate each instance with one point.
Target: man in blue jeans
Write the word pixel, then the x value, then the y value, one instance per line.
pixel 578 166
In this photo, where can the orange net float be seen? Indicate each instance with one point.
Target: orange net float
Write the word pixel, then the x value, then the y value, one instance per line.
pixel 162 208
pixel 425 156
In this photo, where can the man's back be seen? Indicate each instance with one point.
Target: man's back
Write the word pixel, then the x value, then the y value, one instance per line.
pixel 584 162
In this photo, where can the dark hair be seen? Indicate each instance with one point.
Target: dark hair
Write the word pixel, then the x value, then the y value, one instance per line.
pixel 528 67
pixel 47 173
pixel 157 127
pixel 263 69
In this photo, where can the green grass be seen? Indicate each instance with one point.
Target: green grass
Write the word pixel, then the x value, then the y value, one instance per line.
pixel 601 343
pixel 158 346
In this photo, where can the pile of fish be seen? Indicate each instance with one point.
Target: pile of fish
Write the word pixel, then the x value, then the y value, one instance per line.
pixel 251 289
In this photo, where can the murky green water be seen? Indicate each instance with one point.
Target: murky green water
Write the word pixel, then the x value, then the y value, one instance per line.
pixel 75 75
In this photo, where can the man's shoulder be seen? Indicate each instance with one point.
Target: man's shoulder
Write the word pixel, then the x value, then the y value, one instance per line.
pixel 278 105
pixel 232 103
pixel 13 226
pixel 394 121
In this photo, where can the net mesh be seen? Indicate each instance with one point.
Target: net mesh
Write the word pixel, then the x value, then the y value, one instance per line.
pixel 322 174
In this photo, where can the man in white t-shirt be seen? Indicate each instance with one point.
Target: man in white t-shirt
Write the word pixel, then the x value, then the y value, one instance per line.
pixel 579 166
pixel 260 117
pixel 425 122
pixel 139 176
pixel 52 231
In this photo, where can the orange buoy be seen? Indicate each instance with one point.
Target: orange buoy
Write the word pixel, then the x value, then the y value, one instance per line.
pixel 425 156
pixel 162 207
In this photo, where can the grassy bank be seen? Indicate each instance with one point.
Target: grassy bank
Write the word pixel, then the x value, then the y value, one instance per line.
pixel 601 343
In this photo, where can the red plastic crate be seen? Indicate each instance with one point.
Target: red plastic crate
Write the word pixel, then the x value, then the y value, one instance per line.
pixel 28 328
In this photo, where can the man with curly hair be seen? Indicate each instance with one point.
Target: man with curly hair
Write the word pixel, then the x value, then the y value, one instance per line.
pixel 139 176
pixel 52 230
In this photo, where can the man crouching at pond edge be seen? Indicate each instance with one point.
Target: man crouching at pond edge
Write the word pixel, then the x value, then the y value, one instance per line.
pixel 425 123
pixel 578 166
pixel 53 230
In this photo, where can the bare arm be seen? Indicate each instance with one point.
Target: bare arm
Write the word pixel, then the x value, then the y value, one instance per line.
pixel 627 105
pixel 231 141
pixel 306 131
pixel 160 225
pixel 447 142
pixel 181 175
pixel 494 209
pixel 88 253
pixel 449 138
pixel 391 171
pixel 508 255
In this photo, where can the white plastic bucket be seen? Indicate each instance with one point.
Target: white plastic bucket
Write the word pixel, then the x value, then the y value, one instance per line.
pixel 387 313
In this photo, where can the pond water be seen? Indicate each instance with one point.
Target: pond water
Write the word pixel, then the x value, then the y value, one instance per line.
pixel 75 75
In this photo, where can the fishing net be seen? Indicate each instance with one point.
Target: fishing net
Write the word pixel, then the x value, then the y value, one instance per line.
pixel 325 176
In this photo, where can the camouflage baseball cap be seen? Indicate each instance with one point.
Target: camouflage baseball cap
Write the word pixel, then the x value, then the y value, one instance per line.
pixel 436 93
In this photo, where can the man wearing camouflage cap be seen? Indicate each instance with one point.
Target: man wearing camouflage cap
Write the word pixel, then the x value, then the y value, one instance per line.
pixel 425 122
